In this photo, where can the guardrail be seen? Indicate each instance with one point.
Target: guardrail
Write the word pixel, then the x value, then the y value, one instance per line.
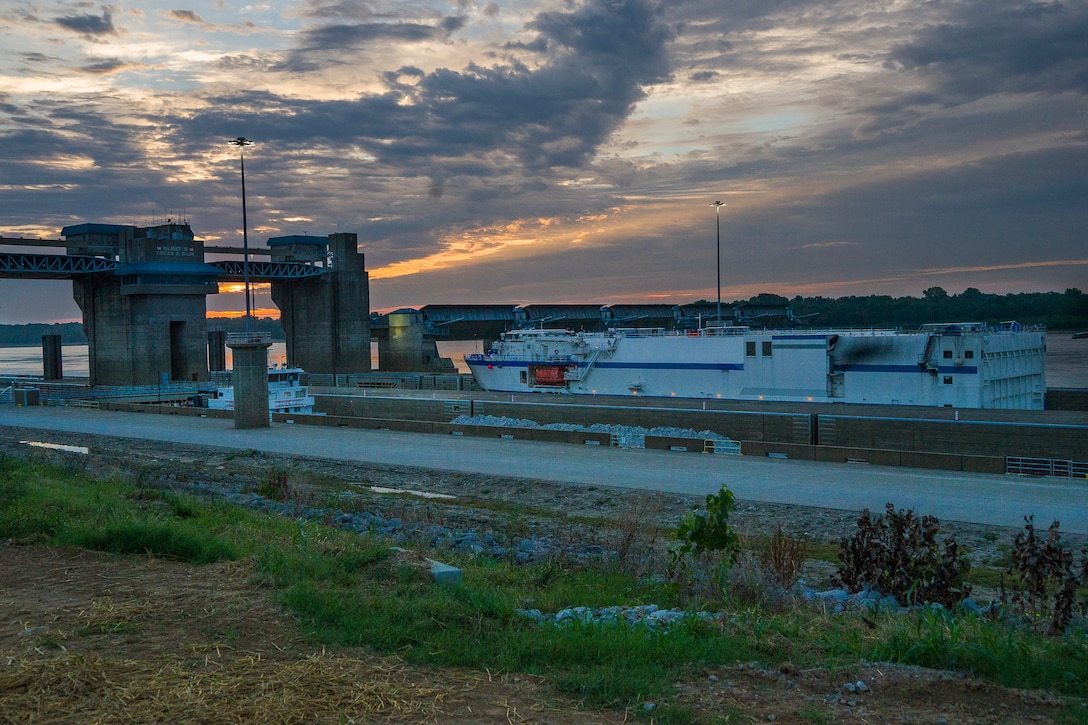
pixel 242 338
pixel 1046 467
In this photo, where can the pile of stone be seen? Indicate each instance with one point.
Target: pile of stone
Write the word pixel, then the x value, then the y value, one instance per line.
pixel 627 436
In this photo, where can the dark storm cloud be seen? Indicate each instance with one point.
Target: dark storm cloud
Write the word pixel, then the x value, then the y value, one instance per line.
pixel 331 37
pixel 37 57
pixel 88 25
pixel 537 45
pixel 326 45
pixel 354 9
pixel 105 66
pixel 185 16
pixel 599 59
pixel 988 48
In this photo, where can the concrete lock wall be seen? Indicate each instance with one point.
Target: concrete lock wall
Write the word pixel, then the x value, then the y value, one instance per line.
pixel 975 438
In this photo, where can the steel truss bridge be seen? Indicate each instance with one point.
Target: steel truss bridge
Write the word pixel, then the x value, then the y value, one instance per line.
pixel 63 266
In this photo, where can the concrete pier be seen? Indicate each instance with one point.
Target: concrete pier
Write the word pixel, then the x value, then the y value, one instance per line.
pixel 217 350
pixel 148 318
pixel 327 318
pixel 250 379
pixel 52 362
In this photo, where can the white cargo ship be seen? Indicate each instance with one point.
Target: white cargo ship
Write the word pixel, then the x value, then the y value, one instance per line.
pixel 963 365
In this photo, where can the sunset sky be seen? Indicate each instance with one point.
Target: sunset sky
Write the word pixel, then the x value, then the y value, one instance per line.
pixel 565 151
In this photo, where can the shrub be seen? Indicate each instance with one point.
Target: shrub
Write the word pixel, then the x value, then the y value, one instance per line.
pixel 707 535
pixel 1049 576
pixel 899 554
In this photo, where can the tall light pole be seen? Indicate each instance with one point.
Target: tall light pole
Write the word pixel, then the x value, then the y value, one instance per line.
pixel 241 142
pixel 718 228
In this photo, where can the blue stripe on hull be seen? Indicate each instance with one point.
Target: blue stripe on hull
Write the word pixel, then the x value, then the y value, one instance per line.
pixel 613 365
pixel 944 370
pixel 961 369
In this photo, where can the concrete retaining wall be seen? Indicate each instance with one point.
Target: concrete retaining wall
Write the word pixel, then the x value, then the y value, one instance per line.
pixel 877 457
pixel 975 438
pixel 738 425
pixel 1066 399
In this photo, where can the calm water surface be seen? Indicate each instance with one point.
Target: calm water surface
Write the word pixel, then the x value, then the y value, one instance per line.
pixel 1066 359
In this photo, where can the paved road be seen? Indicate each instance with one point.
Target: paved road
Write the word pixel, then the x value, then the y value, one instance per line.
pixel 977 498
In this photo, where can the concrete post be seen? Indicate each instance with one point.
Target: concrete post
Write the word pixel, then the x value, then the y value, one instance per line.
pixel 52 364
pixel 250 379
pixel 217 350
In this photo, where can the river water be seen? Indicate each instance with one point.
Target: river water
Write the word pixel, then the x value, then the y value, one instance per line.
pixel 1066 359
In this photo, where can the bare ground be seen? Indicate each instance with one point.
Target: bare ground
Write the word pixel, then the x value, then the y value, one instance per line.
pixel 90 637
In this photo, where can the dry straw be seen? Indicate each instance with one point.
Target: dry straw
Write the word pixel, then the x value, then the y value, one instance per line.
pixel 319 688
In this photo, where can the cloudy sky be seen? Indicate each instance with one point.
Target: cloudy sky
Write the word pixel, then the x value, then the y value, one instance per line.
pixel 566 150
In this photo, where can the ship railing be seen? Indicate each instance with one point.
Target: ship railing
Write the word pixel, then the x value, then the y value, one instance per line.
pixel 738 330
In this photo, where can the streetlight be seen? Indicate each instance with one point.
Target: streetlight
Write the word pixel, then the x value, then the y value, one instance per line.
pixel 241 142
pixel 718 226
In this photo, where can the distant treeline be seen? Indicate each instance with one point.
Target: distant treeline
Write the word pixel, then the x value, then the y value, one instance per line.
pixel 1057 310
pixel 71 333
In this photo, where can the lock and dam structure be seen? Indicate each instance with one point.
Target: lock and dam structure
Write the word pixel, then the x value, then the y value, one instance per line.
pixel 143 294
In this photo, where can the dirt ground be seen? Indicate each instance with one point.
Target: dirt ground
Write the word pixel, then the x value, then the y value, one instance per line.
pixel 90 637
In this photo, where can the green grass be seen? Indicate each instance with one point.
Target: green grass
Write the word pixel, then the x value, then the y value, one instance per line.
pixel 351 590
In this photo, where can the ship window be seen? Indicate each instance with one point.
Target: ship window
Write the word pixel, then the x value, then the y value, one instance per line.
pixel 766 348
pixel 968 354
pixel 524 376
pixel 947 354
pixel 947 379
pixel 750 348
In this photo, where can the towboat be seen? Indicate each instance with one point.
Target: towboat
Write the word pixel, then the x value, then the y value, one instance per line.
pixel 287 392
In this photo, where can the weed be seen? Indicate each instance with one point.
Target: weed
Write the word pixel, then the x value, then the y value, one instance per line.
pixel 817 715
pixel 899 554
pixel 155 539
pixel 752 583
pixel 276 486
pixel 1050 577
pixel 783 557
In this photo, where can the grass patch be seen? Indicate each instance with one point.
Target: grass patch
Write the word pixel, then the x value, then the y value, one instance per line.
pixel 352 590
pixel 1013 657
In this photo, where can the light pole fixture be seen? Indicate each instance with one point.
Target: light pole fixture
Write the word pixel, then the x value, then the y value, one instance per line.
pixel 718 228
pixel 241 142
